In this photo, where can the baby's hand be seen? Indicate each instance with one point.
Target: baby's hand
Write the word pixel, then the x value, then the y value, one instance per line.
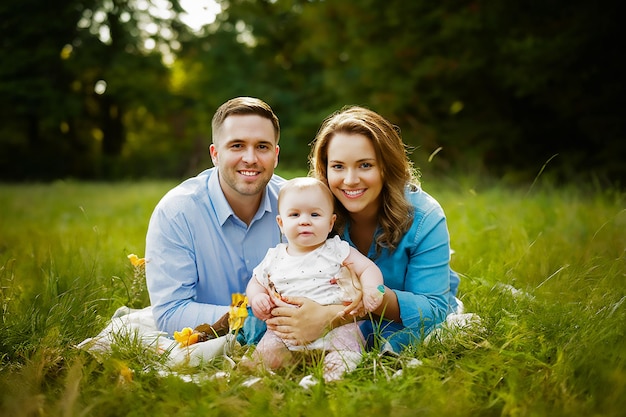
pixel 262 306
pixel 373 297
pixel 355 308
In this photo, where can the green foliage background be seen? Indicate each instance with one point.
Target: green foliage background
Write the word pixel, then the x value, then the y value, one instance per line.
pixel 494 88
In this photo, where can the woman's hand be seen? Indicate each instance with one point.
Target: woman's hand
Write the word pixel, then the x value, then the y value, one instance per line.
pixel 307 322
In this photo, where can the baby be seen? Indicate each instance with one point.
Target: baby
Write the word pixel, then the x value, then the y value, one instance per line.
pixel 314 266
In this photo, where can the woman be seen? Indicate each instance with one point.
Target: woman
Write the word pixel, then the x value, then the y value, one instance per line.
pixel 383 212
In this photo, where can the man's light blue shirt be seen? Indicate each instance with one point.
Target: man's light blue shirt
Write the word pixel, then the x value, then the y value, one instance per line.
pixel 198 252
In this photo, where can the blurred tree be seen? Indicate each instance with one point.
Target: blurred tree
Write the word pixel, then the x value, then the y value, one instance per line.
pixel 34 88
pixel 499 84
pixel 114 87
pixel 75 71
pixel 559 66
pixel 255 49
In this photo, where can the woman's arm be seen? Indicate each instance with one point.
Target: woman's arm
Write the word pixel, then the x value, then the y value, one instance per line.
pixel 310 320
pixel 389 308
pixel 424 285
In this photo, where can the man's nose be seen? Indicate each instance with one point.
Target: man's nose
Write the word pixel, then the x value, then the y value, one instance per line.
pixel 250 156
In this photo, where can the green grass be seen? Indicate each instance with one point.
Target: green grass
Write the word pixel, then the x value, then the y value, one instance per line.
pixel 544 268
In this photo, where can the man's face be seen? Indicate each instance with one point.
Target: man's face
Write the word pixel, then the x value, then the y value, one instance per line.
pixel 245 154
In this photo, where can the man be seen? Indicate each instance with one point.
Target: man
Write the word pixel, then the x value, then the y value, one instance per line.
pixel 207 234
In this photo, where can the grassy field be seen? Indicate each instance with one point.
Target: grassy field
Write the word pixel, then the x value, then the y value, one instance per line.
pixel 543 267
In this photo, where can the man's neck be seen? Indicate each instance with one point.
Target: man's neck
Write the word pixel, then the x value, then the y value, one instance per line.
pixel 245 207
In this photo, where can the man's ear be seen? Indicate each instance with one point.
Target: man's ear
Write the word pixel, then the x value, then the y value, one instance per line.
pixel 213 152
pixel 277 153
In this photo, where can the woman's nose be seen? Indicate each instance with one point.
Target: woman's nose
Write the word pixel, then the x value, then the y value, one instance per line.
pixel 351 177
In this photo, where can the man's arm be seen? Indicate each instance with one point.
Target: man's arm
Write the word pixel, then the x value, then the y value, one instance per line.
pixel 172 275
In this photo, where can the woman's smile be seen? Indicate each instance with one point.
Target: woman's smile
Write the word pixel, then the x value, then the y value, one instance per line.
pixel 354 193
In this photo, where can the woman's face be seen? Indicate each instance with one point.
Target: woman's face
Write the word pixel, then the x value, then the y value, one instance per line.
pixel 354 174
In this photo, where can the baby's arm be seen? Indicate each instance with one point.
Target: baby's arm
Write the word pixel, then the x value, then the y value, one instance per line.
pixel 260 300
pixel 370 277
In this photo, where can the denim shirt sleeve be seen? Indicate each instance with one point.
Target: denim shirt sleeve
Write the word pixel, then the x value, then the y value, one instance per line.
pixel 423 297
pixel 418 271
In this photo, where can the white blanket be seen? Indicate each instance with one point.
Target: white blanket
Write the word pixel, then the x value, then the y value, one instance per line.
pixel 128 323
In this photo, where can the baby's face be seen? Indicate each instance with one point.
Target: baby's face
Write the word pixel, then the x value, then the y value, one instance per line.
pixel 306 217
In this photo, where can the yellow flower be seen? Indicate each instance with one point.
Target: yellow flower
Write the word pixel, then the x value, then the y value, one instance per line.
pixel 137 293
pixel 186 337
pixel 126 375
pixel 238 312
pixel 236 316
pixel 136 260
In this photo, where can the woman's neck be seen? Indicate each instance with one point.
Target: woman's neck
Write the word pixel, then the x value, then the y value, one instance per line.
pixel 362 229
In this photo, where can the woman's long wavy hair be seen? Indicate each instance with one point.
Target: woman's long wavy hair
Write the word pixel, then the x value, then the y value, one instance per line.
pixel 397 171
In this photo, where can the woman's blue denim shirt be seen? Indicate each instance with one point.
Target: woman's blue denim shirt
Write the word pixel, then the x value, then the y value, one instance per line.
pixel 418 270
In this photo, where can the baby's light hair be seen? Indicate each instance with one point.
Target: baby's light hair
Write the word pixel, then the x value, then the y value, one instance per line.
pixel 303 183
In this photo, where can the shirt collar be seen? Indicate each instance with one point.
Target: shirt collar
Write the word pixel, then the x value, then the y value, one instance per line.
pixel 221 206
